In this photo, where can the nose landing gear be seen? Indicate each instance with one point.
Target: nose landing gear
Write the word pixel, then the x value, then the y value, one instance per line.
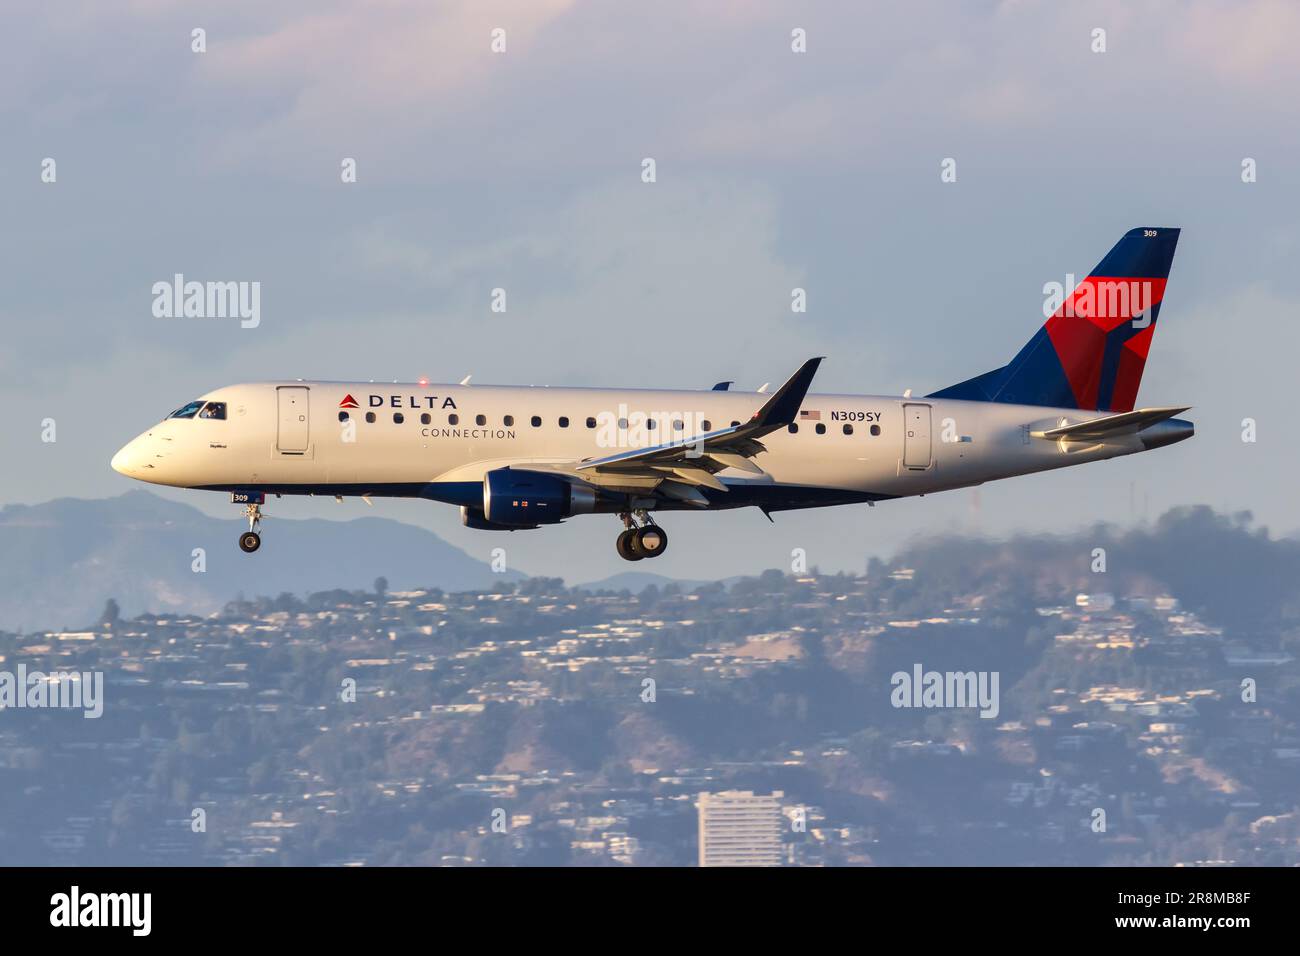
pixel 250 540
pixel 646 541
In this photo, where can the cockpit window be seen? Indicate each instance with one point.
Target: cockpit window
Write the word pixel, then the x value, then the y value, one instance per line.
pixel 187 411
pixel 214 410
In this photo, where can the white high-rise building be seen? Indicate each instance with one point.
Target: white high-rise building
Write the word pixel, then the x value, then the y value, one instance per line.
pixel 738 828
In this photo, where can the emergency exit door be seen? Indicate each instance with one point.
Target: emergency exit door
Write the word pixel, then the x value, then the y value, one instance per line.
pixel 916 437
pixel 295 426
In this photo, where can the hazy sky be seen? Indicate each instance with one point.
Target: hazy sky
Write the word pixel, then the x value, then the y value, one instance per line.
pixel 522 170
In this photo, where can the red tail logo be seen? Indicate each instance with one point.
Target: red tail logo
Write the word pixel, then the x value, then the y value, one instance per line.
pixel 348 402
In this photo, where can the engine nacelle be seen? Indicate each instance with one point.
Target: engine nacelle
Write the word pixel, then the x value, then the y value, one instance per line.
pixel 473 518
pixel 526 499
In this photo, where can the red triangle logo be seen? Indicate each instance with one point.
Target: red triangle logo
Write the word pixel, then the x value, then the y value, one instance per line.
pixel 348 402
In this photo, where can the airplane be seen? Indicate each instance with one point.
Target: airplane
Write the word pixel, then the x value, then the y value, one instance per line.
pixel 516 458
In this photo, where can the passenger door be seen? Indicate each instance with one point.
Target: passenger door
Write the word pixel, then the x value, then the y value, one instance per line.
pixel 916 437
pixel 295 425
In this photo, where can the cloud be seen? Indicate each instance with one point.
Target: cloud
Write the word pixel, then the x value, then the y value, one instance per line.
pixel 1250 46
pixel 412 90
pixel 361 71
pixel 672 281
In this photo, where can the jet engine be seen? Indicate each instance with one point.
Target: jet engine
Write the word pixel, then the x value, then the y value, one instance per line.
pixel 526 499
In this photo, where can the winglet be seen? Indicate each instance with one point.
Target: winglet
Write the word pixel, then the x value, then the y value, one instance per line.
pixel 783 407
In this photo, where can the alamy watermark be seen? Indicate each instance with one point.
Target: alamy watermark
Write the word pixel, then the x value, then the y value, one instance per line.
pixel 208 300
pixel 946 689
pixel 61 690
pixel 1100 298
pixel 629 428
pixel 130 910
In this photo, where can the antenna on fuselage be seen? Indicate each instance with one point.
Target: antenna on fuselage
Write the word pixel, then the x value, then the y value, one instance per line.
pixel 465 380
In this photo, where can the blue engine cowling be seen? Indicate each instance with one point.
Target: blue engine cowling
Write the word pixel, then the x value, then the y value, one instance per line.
pixel 473 518
pixel 522 499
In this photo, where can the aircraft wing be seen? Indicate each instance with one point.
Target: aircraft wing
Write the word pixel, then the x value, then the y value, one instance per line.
pixel 693 461
pixel 1112 426
pixel 676 469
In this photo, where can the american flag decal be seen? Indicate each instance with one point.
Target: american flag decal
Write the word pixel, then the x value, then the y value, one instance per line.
pixel 810 415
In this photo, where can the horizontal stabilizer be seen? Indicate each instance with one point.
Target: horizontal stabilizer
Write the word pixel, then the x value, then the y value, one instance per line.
pixel 1112 426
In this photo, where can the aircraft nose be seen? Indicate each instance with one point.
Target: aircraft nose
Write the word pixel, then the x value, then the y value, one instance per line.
pixel 121 462
pixel 135 458
pixel 139 458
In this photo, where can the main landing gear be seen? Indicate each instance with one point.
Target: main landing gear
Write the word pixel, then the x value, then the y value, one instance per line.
pixel 646 541
pixel 250 540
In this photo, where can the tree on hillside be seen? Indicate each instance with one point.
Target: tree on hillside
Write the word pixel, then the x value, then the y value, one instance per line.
pixel 112 613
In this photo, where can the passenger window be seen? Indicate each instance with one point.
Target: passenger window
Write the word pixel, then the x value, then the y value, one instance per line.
pixel 343 416
pixel 821 428
pixel 187 411
pixel 848 429
pixel 792 428
pixel 875 429
pixel 591 422
pixel 678 425
pixel 734 424
pixel 622 424
pixel 480 419
pixel 564 422
pixel 508 420
pixel 453 419
pixel 708 427
pixel 215 410
pixel 425 418
pixel 650 425
pixel 370 417
pixel 398 418
pixel 537 422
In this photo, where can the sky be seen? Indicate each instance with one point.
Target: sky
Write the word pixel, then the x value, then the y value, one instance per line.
pixel 522 170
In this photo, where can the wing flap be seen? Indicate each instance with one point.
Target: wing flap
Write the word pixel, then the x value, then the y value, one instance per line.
pixel 680 492
pixel 726 459
pixel 694 476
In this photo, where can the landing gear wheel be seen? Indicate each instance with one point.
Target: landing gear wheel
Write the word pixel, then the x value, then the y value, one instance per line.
pixel 623 545
pixel 649 541
pixel 250 540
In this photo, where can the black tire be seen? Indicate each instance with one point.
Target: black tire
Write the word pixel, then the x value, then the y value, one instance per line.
pixel 624 546
pixel 249 542
pixel 650 541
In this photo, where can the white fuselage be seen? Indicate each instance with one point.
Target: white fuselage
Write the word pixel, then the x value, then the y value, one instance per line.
pixel 419 440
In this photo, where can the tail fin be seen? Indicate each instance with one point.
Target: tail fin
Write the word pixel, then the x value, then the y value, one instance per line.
pixel 1091 352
